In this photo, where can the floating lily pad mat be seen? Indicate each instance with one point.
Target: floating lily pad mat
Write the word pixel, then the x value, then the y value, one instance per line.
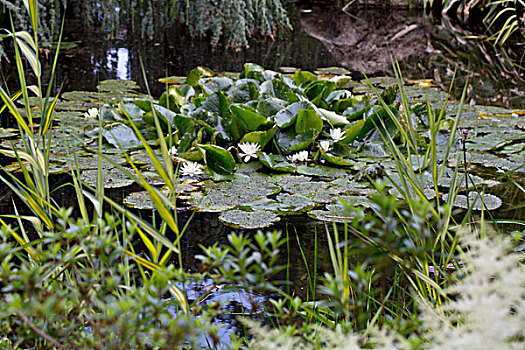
pixel 260 144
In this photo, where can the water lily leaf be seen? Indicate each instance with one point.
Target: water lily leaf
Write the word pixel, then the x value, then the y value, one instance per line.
pixel 284 204
pixel 288 181
pixel 221 196
pixel 301 76
pixel 260 137
pixel 219 160
pixel 134 111
pixel 286 117
pixel 245 119
pixel 244 90
pixel 215 112
pixel 352 131
pixel 276 88
pixel 318 91
pixel 357 110
pixel 337 160
pixel 116 85
pixel 321 171
pixel 197 73
pixel 372 120
pixel 214 84
pixel 252 67
pixel 290 141
pixel 344 185
pixel 337 212
pixel 111 178
pixel 248 168
pixel 249 220
pixel 145 104
pixel 276 162
pixel 333 118
pixel 308 119
pixel 120 135
pixel 142 200
pixel 477 201
pixel 270 106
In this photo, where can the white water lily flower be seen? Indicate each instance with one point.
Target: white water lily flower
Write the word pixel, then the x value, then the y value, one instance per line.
pixel 325 145
pixel 172 151
pixel 250 149
pixel 92 113
pixel 191 169
pixel 336 134
pixel 298 157
pixel 302 156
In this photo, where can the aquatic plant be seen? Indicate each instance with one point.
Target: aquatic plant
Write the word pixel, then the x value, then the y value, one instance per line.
pixel 249 150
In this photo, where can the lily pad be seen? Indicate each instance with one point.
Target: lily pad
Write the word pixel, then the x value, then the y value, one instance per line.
pixel 477 201
pixel 249 220
pixel 141 200
pixel 276 162
pixel 226 195
pixel 284 204
pixel 8 132
pixel 120 135
pixel 321 171
pixel 116 85
pixel 111 178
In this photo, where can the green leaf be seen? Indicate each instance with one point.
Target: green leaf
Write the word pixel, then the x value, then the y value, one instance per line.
pixel 214 84
pixel 276 88
pixel 290 141
pixel 302 76
pixel 244 120
pixel 308 119
pixel 318 91
pixel 219 160
pixel 333 159
pixel 215 112
pixel 352 131
pixel 270 106
pixel 333 118
pixel 196 74
pixel 357 110
pixel 244 90
pixel 260 137
pixel 120 135
pixel 276 162
pixel 286 117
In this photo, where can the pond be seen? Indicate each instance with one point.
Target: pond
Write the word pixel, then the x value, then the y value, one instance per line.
pixel 301 200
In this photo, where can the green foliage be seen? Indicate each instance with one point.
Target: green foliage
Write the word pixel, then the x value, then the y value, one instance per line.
pixel 82 291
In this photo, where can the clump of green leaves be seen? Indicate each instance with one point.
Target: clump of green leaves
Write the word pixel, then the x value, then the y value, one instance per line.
pixel 79 289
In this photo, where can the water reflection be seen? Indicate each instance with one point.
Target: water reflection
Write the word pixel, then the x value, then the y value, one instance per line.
pixel 364 41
